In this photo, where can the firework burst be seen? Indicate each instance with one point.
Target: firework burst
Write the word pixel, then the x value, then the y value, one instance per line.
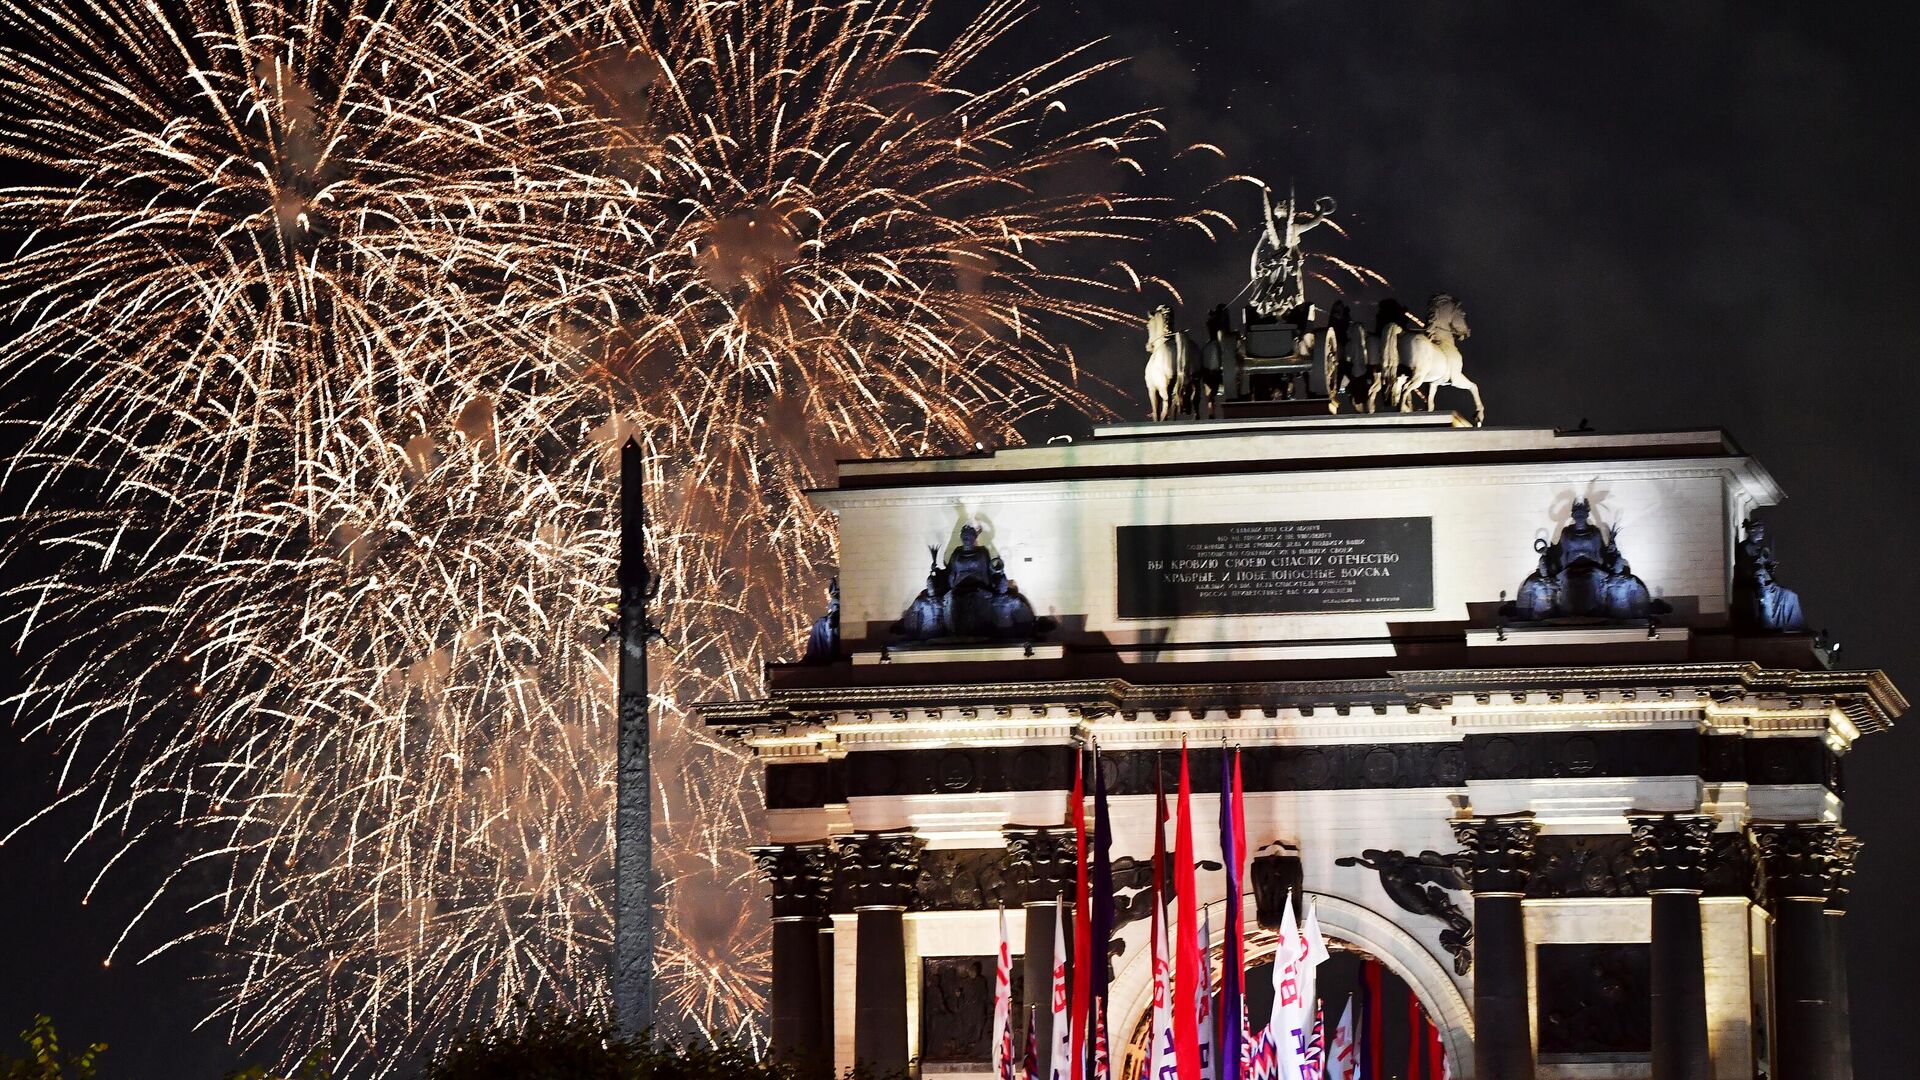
pixel 326 319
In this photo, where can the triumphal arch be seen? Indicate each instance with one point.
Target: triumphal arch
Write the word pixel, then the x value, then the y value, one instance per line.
pixel 1527 713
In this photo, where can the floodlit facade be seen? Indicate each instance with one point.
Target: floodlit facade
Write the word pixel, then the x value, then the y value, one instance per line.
pixel 1524 712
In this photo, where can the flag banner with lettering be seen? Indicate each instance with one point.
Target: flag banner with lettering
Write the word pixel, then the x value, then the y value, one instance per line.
pixel 1314 953
pixel 1343 1060
pixel 1203 1002
pixel 1060 1055
pixel 1003 1005
pixel 1287 1024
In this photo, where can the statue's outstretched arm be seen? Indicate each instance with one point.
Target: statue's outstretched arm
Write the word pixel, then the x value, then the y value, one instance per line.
pixel 1266 202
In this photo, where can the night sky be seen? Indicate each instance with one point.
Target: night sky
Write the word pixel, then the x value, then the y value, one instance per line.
pixel 1655 217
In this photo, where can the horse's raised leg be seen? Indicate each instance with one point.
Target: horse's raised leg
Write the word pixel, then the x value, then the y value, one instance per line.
pixel 1479 409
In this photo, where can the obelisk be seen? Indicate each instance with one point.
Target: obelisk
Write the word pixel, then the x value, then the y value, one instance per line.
pixel 633 816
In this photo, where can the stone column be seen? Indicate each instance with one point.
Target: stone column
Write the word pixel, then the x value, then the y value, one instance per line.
pixel 1672 850
pixel 797 875
pixel 1846 851
pixel 879 869
pixel 1041 861
pixel 1499 864
pixel 1798 860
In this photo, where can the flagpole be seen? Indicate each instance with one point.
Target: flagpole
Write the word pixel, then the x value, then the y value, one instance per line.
pixel 1233 970
pixel 1186 965
pixel 1082 924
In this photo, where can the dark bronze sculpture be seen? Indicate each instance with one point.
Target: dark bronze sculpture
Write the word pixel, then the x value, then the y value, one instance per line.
pixel 1583 575
pixel 1420 884
pixel 823 643
pixel 969 599
pixel 1760 602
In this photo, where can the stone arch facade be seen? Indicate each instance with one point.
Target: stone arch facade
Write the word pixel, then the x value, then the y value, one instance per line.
pixel 1360 926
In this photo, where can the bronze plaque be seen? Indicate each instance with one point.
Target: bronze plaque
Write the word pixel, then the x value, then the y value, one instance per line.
pixel 1275 567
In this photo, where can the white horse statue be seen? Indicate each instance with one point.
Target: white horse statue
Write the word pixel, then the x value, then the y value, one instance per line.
pixel 1430 359
pixel 1172 366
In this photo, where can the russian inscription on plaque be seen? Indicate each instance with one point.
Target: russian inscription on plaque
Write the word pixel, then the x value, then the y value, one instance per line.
pixel 1275 567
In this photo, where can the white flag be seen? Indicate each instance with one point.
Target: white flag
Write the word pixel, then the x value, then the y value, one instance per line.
pixel 1209 1068
pixel 1062 1055
pixel 1003 1006
pixel 1313 952
pixel 1292 1013
pixel 1343 1062
pixel 1160 1060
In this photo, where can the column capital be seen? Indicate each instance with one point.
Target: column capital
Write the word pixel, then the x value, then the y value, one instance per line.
pixel 1846 854
pixel 879 867
pixel 1672 850
pixel 797 876
pixel 1041 859
pixel 1798 858
pixel 1499 852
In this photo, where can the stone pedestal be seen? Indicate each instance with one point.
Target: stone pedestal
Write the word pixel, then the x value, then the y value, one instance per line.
pixel 1671 850
pixel 1798 860
pixel 800 1011
pixel 1041 860
pixel 1501 860
pixel 879 868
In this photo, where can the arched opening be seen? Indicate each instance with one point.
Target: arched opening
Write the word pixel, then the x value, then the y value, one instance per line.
pixel 1353 941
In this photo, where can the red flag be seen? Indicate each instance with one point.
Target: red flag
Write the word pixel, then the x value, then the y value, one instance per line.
pixel 1082 925
pixel 1373 1060
pixel 1436 1053
pixel 1416 1038
pixel 1186 966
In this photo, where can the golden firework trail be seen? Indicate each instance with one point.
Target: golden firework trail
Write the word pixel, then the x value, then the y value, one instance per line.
pixel 324 321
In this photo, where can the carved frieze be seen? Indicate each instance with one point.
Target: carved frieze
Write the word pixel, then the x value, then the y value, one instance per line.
pixel 1672 850
pixel 798 878
pixel 878 869
pixel 963 879
pixel 1499 853
pixel 1583 866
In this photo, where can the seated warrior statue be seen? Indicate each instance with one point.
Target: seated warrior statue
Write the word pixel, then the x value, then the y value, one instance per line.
pixel 925 618
pixel 1539 595
pixel 971 598
pixel 1012 615
pixel 1583 575
pixel 1623 596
